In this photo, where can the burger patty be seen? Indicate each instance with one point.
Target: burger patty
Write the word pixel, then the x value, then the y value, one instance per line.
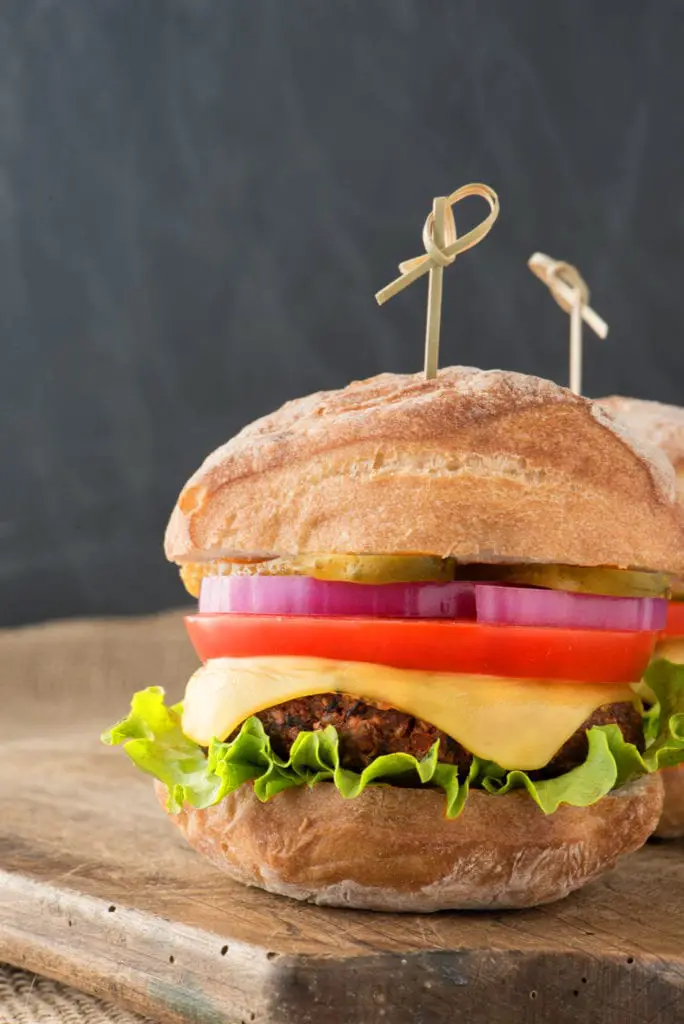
pixel 367 731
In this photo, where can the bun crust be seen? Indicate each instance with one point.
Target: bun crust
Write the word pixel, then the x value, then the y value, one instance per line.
pixel 657 424
pixel 392 849
pixel 486 466
pixel 671 824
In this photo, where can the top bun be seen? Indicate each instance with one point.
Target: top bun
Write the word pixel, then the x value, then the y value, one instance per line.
pixel 658 424
pixel 485 466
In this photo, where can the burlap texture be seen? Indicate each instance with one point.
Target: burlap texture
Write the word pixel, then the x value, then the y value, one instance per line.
pixel 105 661
pixel 27 999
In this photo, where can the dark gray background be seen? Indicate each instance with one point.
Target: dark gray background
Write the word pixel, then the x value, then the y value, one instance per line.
pixel 199 198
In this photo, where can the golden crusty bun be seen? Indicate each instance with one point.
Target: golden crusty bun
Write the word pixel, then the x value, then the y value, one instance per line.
pixel 393 849
pixel 485 466
pixel 661 425
pixel 671 824
pixel 657 424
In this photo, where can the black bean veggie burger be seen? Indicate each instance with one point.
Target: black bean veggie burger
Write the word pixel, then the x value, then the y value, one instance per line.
pixel 423 607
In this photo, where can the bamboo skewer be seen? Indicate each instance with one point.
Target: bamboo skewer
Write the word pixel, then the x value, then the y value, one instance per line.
pixel 435 282
pixel 442 246
pixel 569 289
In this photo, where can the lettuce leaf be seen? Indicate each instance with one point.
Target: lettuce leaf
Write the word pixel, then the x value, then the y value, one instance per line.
pixel 153 738
pixel 665 732
pixel 580 786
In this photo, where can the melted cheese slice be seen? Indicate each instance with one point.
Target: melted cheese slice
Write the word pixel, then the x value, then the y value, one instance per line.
pixel 517 723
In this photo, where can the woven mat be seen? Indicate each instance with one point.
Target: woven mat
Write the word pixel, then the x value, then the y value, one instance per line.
pixel 27 999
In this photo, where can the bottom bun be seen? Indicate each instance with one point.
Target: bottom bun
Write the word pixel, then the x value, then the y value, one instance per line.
pixel 671 825
pixel 393 849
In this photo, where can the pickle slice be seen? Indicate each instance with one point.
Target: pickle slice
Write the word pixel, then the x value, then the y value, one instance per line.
pixel 582 580
pixel 377 568
pixel 374 569
pixel 349 568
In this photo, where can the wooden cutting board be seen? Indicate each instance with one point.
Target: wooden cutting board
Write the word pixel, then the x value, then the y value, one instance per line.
pixel 97 888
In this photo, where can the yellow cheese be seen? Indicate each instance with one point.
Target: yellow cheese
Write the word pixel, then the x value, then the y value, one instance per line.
pixel 517 723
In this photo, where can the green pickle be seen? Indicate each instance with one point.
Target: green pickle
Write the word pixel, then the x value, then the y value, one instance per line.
pixel 378 568
pixel 374 569
pixel 580 580
pixel 348 568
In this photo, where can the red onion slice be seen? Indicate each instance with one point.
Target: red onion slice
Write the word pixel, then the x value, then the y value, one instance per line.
pixel 302 595
pixel 492 603
pixel 525 606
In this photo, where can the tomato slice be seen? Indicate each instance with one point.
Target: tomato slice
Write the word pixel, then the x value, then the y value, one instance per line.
pixel 675 619
pixel 522 652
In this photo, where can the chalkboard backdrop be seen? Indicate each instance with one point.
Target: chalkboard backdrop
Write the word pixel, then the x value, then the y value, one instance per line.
pixel 199 198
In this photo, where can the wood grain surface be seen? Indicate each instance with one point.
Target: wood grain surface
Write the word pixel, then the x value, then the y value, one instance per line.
pixel 97 888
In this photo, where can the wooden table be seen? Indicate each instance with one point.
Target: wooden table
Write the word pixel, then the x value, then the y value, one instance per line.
pixel 99 890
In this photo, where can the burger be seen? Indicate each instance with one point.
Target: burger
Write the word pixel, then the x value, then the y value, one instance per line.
pixel 663 425
pixel 423 608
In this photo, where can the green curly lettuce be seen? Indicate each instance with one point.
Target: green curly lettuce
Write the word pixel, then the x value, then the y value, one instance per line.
pixel 153 738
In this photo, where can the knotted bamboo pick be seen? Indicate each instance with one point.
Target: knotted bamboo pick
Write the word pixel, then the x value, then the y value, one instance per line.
pixel 570 291
pixel 442 246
